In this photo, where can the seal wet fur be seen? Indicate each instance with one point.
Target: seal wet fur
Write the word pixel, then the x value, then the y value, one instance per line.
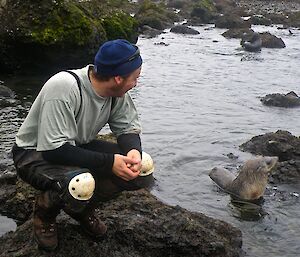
pixel 250 184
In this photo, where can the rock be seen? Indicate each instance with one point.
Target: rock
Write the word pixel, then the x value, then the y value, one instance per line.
pixel 237 33
pixel 260 20
pixel 204 11
pixel 182 29
pixel 6 92
pixel 225 6
pixel 138 225
pixel 282 144
pixel 149 32
pixel 294 19
pixel 287 172
pixel 290 99
pixel 157 16
pixel 271 41
pixel 231 21
pixel 55 35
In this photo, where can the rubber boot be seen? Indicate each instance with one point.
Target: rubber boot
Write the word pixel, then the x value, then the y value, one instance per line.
pixel 44 224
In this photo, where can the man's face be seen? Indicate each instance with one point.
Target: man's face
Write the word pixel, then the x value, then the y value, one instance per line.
pixel 125 84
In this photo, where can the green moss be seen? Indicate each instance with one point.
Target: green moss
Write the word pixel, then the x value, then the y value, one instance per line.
pixel 155 15
pixel 120 25
pixel 203 9
pixel 65 25
pixel 208 4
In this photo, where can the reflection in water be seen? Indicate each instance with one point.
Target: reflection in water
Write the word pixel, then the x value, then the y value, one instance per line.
pixel 247 211
pixel 198 101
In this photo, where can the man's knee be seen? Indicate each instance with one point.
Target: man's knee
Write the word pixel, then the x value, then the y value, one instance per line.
pixel 76 188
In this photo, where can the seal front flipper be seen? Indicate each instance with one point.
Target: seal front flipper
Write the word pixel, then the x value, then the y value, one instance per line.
pixel 222 177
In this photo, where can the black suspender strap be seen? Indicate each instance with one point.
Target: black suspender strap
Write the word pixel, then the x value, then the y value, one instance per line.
pixel 80 91
pixel 79 87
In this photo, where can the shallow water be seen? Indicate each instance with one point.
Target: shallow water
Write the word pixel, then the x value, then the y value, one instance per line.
pixel 198 99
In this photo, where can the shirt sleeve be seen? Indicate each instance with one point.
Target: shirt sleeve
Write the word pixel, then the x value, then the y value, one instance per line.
pixel 124 117
pixel 57 125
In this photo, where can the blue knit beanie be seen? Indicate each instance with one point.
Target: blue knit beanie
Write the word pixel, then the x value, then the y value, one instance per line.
pixel 117 58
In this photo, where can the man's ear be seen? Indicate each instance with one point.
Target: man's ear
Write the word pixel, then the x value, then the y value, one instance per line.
pixel 118 80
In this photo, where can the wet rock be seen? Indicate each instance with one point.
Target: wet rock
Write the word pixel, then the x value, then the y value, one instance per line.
pixel 203 12
pixel 16 198
pixel 6 92
pixel 149 32
pixel 138 225
pixel 58 34
pixel 225 6
pixel 7 97
pixel 271 41
pixel 294 19
pixel 287 172
pixel 290 99
pixel 260 20
pixel 231 21
pixel 282 144
pixel 157 16
pixel 237 33
pixel 182 29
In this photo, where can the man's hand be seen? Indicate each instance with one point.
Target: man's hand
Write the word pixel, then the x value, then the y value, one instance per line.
pixel 121 167
pixel 135 155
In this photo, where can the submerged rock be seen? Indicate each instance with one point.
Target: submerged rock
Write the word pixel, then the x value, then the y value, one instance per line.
pixel 290 99
pixel 138 225
pixel 182 29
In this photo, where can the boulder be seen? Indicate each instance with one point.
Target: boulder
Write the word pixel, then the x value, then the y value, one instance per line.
pixel 148 32
pixel 182 29
pixel 290 99
pixel 203 11
pixel 6 92
pixel 7 97
pixel 260 20
pixel 225 6
pixel 54 35
pixel 156 16
pixel 237 33
pixel 231 21
pixel 282 144
pixel 271 41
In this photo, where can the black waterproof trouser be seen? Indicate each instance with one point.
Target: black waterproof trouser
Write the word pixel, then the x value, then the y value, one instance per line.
pixel 45 176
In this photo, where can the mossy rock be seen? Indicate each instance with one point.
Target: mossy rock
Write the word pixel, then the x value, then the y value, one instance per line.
pixel 120 25
pixel 49 36
pixel 157 16
pixel 204 10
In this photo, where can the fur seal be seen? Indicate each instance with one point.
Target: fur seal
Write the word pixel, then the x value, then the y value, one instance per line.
pixel 250 184
pixel 253 44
